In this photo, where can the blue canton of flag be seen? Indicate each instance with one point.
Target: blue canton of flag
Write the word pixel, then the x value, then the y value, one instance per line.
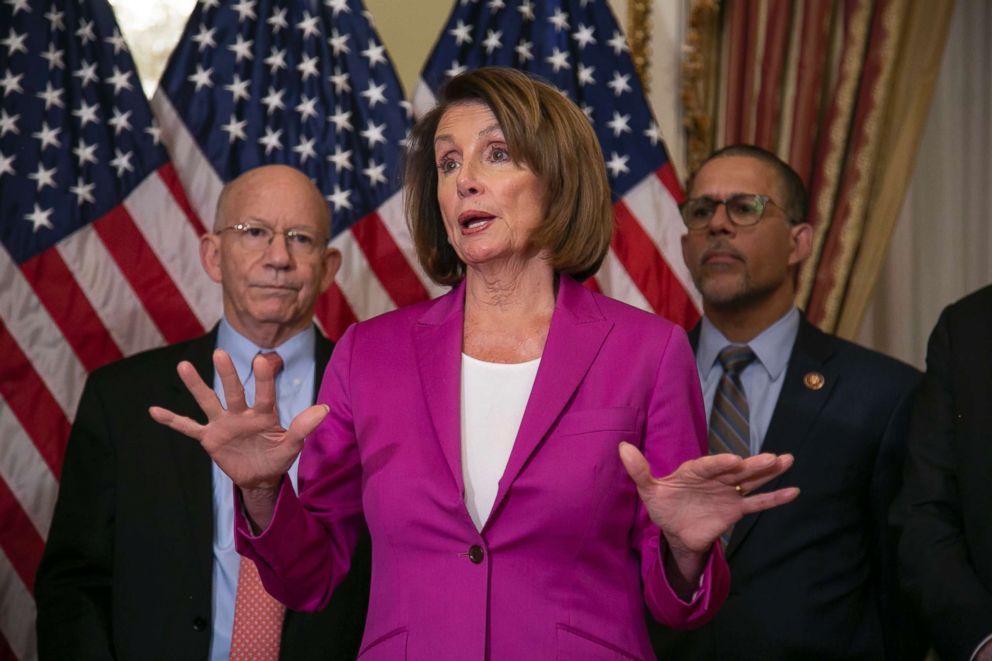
pixel 307 84
pixel 76 133
pixel 577 46
pixel 91 219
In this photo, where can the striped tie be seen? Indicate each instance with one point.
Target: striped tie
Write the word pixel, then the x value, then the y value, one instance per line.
pixel 729 427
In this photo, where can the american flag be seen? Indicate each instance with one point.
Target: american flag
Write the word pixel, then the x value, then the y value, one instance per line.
pixel 577 46
pixel 92 218
pixel 308 84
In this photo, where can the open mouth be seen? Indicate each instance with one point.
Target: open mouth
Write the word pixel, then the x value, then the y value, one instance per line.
pixel 474 220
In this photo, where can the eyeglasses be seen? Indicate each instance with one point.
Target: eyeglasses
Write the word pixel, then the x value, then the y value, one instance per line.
pixel 257 238
pixel 743 209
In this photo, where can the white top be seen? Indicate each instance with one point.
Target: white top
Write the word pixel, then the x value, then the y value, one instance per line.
pixel 493 399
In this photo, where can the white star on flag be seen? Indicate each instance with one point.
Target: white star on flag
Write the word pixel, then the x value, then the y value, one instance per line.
pixel 39 218
pixel 43 176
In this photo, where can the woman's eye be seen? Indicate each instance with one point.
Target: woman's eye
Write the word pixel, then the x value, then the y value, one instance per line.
pixel 499 154
pixel 447 165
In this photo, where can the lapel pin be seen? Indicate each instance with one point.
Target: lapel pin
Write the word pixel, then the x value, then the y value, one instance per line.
pixel 813 380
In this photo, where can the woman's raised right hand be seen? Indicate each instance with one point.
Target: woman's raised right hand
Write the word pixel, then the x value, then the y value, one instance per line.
pixel 247 443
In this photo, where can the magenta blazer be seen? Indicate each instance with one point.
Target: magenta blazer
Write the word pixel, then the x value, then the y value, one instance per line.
pixel 568 557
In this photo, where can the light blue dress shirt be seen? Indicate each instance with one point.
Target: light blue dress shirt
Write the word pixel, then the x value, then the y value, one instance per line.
pixel 294 389
pixel 762 379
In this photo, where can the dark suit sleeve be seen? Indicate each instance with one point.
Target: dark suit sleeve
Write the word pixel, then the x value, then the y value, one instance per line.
pixel 72 587
pixel 902 632
pixel 934 559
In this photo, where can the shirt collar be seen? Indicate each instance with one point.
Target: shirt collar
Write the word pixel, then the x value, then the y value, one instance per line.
pixel 296 352
pixel 772 346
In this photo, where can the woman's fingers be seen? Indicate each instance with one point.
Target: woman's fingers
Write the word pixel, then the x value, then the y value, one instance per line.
pixel 234 392
pixel 758 474
pixel 204 395
pixel 636 465
pixel 179 423
pixel 303 424
pixel 751 472
pixel 764 501
pixel 265 384
pixel 723 467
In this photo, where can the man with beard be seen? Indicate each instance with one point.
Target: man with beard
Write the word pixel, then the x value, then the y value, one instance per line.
pixel 140 560
pixel 814 579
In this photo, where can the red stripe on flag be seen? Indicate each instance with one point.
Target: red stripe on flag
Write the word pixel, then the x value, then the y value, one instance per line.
pixel 670 180
pixel 32 404
pixel 21 541
pixel 649 270
pixel 150 281
pixel 167 173
pixel 592 285
pixel 69 307
pixel 334 313
pixel 387 261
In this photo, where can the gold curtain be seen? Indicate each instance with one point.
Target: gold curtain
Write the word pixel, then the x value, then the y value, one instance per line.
pixel 839 90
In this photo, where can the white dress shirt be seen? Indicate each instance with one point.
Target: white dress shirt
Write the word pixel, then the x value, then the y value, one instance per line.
pixel 493 399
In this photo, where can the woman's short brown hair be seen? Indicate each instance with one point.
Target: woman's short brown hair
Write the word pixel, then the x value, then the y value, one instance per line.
pixel 544 131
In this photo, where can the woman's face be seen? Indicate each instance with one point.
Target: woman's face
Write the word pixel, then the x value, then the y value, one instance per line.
pixel 490 203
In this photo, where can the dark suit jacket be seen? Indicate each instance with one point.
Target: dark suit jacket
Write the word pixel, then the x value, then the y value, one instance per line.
pixel 945 510
pixel 126 572
pixel 815 579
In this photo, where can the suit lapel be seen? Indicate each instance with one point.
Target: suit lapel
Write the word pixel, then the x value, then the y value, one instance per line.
pixel 577 332
pixel 438 345
pixel 321 355
pixel 191 464
pixel 797 409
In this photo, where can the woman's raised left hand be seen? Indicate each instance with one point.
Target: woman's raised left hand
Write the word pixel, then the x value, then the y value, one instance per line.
pixel 704 497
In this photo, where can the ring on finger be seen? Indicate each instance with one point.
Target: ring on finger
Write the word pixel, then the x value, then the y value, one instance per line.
pixel 740 490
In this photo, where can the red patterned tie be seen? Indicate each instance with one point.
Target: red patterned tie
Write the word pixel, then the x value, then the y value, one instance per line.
pixel 257 616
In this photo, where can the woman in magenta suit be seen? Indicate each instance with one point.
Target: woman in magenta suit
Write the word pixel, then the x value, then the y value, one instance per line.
pixel 478 433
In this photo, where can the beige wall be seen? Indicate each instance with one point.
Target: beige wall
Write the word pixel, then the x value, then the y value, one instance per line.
pixel 409 28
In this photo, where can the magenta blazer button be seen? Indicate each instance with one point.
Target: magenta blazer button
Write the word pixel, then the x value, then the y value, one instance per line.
pixel 475 553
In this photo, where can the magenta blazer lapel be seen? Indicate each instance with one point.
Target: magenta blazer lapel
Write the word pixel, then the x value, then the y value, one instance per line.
pixel 577 332
pixel 438 343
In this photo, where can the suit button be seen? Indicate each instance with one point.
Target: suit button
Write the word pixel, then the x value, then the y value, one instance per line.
pixel 475 553
pixel 199 623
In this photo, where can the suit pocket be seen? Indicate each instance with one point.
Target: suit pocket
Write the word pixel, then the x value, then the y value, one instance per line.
pixel 386 647
pixel 574 644
pixel 620 419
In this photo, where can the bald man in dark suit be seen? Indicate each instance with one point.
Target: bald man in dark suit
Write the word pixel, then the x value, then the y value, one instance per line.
pixel 140 560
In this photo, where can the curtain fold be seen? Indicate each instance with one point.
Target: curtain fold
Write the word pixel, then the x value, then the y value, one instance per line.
pixel 840 91
pixel 942 248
